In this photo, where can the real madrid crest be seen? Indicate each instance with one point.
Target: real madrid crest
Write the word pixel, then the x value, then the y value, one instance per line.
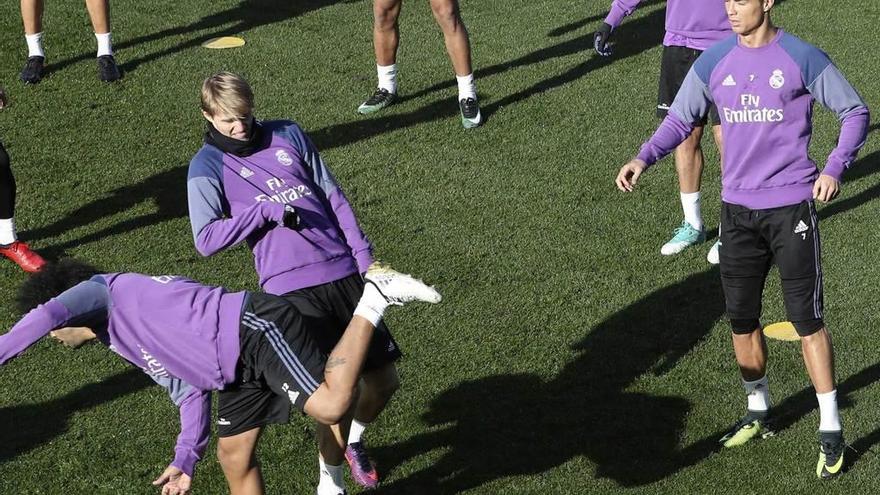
pixel 776 80
pixel 286 160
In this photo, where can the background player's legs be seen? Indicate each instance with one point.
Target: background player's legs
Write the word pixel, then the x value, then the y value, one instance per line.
pixel 386 38
pixel 10 246
pixel 32 18
pixel 713 256
pixel 689 165
pixel 458 46
pixel 99 13
pixel 237 456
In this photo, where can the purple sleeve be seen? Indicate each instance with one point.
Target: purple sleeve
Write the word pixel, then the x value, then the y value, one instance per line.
pixel 221 233
pixel 37 323
pixel 672 132
pixel 619 10
pixel 195 430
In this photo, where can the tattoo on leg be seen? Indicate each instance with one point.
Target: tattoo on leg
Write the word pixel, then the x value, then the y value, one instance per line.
pixel 333 362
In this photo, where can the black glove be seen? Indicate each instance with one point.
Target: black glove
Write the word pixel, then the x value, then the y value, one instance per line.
pixel 601 39
pixel 290 218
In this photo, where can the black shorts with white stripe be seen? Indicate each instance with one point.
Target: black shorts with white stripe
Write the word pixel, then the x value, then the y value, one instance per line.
pixel 280 365
pixel 752 241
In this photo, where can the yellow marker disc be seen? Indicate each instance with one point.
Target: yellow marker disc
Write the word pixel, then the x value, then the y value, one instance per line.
pixel 224 42
pixel 782 330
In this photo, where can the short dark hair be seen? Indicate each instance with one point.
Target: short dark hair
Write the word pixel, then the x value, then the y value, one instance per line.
pixel 53 279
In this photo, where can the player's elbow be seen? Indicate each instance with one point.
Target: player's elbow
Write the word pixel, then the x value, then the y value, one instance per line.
pixel 330 406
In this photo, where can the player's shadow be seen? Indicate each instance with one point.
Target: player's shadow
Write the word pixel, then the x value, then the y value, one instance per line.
pixel 247 15
pixel 864 167
pixel 633 38
pixel 24 428
pixel 508 425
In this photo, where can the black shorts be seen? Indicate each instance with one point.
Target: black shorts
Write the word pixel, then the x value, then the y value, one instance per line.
pixel 674 66
pixel 751 241
pixel 333 304
pixel 280 365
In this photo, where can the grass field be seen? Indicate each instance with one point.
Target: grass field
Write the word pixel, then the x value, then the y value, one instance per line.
pixel 568 356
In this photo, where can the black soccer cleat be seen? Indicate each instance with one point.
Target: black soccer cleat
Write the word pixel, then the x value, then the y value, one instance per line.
pixel 831 447
pixel 33 70
pixel 380 99
pixel 108 71
pixel 470 113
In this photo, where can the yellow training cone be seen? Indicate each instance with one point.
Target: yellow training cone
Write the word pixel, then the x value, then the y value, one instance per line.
pixel 224 42
pixel 782 330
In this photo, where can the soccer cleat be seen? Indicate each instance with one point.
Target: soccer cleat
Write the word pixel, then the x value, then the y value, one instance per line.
pixel 108 71
pixel 399 288
pixel 831 447
pixel 377 101
pixel 685 235
pixel 33 70
pixel 362 468
pixel 748 428
pixel 470 113
pixel 20 253
pixel 714 256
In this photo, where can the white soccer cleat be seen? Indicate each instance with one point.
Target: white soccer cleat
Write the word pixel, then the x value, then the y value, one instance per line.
pixel 399 288
pixel 714 256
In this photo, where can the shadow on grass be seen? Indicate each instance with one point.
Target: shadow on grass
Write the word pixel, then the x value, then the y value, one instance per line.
pixel 510 425
pixel 247 15
pixel 24 428
pixel 865 167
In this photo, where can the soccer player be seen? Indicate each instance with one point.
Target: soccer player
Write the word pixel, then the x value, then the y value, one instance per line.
pixel 10 246
pixel 193 339
pixel 386 39
pixel 32 17
pixel 691 27
pixel 764 82
pixel 314 259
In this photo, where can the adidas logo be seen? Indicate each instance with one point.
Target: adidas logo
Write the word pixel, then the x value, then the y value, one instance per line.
pixel 728 81
pixel 245 172
pixel 223 422
pixel 801 227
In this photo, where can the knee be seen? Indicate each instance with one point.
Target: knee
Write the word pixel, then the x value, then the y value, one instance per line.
pixel 234 457
pixel 387 387
pixel 446 14
pixel 385 18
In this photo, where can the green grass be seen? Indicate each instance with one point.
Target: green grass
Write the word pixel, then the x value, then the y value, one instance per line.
pixel 567 357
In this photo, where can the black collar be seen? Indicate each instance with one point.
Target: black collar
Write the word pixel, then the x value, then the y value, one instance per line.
pixel 233 146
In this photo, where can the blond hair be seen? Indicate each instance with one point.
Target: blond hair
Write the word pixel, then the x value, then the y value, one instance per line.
pixel 227 93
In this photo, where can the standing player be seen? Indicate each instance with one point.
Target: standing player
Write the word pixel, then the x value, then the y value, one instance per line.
pixel 691 27
pixel 193 339
pixel 10 246
pixel 32 17
pixel 314 259
pixel 764 81
pixel 386 38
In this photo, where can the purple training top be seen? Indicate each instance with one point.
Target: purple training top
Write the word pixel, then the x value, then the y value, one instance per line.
pixel 765 99
pixel 232 199
pixel 184 335
pixel 694 24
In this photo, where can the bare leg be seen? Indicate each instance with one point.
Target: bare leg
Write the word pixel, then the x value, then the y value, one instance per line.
pixel 99 13
pixel 386 35
pixel 751 354
pixel 379 386
pixel 455 34
pixel 237 456
pixel 689 162
pixel 719 142
pixel 819 359
pixel 32 16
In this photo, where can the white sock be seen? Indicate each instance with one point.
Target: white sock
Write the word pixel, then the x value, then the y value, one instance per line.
pixel 758 394
pixel 690 204
pixel 372 304
pixel 7 231
pixel 35 44
pixel 829 417
pixel 105 46
pixel 467 87
pixel 387 77
pixel 331 482
pixel 356 430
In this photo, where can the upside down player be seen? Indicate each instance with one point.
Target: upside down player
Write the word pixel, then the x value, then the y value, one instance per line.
pixel 193 339
pixel 764 81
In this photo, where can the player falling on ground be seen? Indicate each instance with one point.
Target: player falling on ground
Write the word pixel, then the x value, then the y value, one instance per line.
pixel 35 67
pixel 193 339
pixel 248 169
pixel 764 82
pixel 386 39
pixel 691 27
pixel 10 246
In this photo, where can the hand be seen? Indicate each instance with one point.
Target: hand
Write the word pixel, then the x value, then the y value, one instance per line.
pixel 629 175
pixel 601 39
pixel 174 482
pixel 290 218
pixel 826 188
pixel 3 100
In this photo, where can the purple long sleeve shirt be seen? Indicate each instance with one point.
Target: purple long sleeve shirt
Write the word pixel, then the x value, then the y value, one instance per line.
pixel 182 334
pixel 765 99
pixel 696 24
pixel 234 199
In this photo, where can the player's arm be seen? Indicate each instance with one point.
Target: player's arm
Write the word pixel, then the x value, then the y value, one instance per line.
pixel 831 89
pixel 212 230
pixel 195 428
pixel 691 105
pixel 360 246
pixel 619 10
